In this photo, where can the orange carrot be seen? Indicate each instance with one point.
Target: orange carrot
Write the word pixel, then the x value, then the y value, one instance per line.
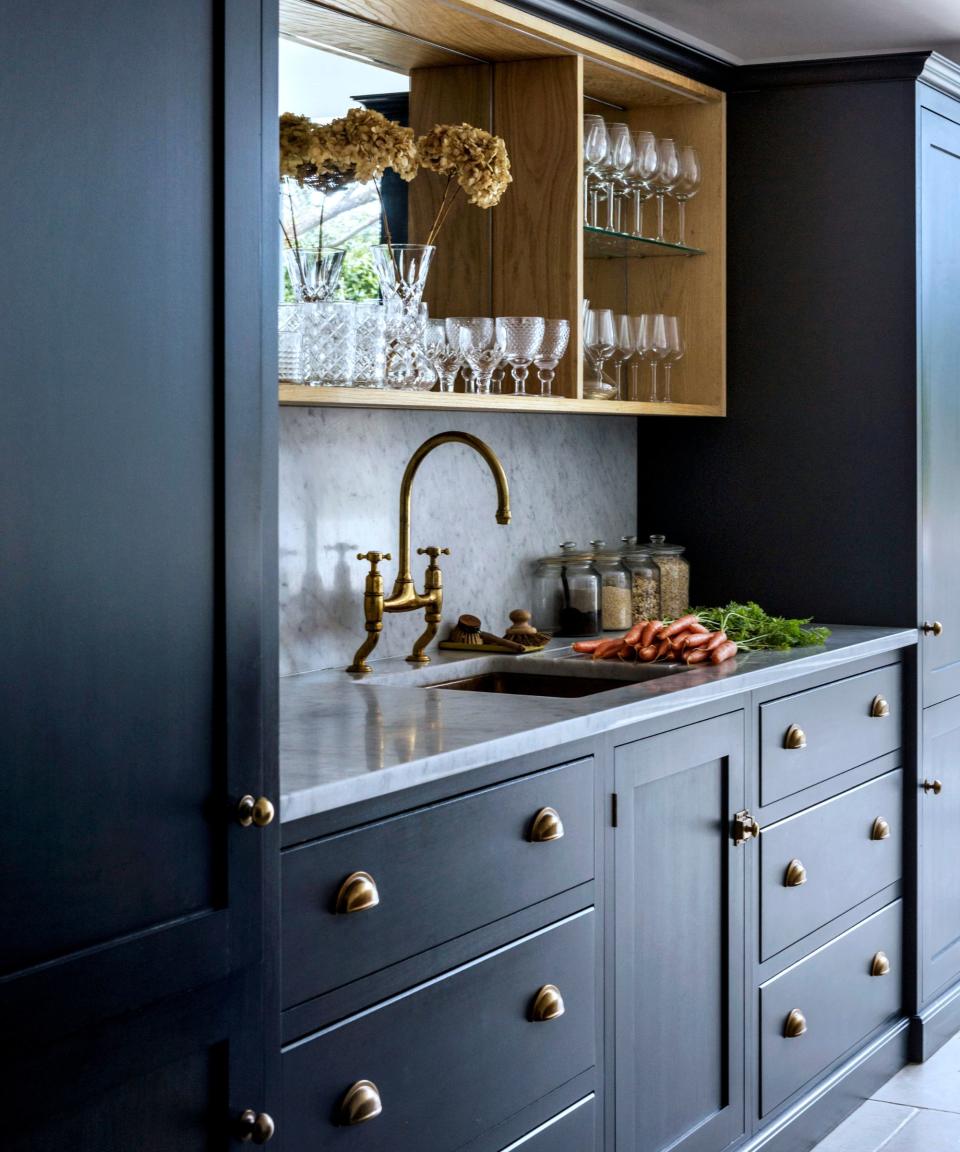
pixel 724 652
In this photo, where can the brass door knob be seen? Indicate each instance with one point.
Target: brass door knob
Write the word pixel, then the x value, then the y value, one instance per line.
pixel 259 812
pixel 795 1024
pixel 879 707
pixel 795 738
pixel 880 829
pixel 745 827
pixel 547 825
pixel 361 1102
pixel 255 1127
pixel 934 786
pixel 547 1004
pixel 357 893
pixel 935 627
pixel 796 875
pixel 880 965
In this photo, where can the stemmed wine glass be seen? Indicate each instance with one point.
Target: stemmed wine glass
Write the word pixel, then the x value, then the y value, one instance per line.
pixel 556 336
pixel 641 172
pixel 686 187
pixel 675 351
pixel 520 337
pixel 443 356
pixel 619 159
pixel 665 177
pixel 623 349
pixel 481 345
pixel 653 345
pixel 599 340
pixel 595 147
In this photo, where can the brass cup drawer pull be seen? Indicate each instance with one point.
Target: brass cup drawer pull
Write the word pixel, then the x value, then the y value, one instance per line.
pixel 934 786
pixel 932 626
pixel 357 893
pixel 361 1102
pixel 547 1004
pixel 795 1024
pixel 880 965
pixel 259 812
pixel 796 874
pixel 879 708
pixel 546 826
pixel 255 1127
pixel 880 829
pixel 795 738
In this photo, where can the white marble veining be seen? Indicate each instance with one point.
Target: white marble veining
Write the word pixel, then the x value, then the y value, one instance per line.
pixel 344 739
pixel 571 478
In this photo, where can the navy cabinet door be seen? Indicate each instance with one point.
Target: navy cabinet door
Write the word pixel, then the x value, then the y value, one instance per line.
pixel 940 401
pixel 679 940
pixel 136 450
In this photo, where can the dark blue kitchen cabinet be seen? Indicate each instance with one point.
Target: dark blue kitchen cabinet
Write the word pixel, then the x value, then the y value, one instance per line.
pixel 137 454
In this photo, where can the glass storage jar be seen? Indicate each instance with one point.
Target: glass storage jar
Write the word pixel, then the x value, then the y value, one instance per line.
pixel 644 582
pixel 567 593
pixel 674 577
pixel 615 611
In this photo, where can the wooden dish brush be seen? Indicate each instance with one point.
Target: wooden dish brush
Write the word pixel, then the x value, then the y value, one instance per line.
pixel 521 631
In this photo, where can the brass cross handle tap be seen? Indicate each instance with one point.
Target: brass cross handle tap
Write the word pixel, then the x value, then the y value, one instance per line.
pixel 433 553
pixel 374 558
pixel 372 609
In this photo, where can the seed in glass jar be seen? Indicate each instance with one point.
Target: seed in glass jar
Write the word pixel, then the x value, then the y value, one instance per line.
pixel 615 608
pixel 645 597
pixel 674 585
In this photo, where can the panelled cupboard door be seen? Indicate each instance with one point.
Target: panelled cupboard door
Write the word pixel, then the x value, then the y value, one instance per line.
pixel 939 832
pixel 679 940
pixel 940 402
pixel 132 430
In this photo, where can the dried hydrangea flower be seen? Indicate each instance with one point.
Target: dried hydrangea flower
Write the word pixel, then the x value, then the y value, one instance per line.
pixel 476 158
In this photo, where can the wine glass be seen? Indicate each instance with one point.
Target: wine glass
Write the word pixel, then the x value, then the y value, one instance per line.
pixel 636 333
pixel 520 337
pixel 497 375
pixel 599 340
pixel 623 349
pixel 641 172
pixel 653 345
pixel 668 169
pixel 686 187
pixel 675 351
pixel 556 337
pixel 595 147
pixel 481 345
pixel 619 159
pixel 444 356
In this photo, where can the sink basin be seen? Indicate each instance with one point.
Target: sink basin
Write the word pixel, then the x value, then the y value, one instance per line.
pixel 517 683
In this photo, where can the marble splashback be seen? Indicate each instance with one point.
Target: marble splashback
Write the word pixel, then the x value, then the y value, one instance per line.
pixel 571 478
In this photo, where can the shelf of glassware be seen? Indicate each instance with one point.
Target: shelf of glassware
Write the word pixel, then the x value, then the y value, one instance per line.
pixel 303 395
pixel 602 244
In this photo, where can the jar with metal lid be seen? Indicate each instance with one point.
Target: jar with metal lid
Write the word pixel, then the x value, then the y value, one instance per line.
pixel 567 593
pixel 644 582
pixel 615 612
pixel 674 576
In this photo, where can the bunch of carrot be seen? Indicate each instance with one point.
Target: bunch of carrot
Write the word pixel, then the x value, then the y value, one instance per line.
pixel 685 641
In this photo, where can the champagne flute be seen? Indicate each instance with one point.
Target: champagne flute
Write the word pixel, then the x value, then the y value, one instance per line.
pixel 595 147
pixel 642 171
pixel 675 351
pixel 668 169
pixel 619 159
pixel 599 340
pixel 653 345
pixel 686 187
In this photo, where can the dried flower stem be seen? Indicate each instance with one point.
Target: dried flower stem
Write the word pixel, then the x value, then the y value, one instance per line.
pixel 446 203
pixel 386 228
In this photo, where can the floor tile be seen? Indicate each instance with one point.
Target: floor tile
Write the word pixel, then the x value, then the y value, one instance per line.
pixel 867 1129
pixel 933 1084
pixel 927 1131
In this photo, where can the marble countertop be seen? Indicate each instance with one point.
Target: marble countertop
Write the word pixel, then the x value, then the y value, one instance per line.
pixel 345 739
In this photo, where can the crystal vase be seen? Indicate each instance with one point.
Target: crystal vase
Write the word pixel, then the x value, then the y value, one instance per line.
pixel 314 272
pixel 402 271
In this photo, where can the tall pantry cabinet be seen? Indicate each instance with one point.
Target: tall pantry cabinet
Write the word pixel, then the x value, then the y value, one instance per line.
pixel 832 486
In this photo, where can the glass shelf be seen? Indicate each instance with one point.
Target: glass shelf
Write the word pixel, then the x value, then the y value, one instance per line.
pixel 599 244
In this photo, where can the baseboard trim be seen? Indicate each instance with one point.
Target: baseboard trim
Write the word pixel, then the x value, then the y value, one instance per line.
pixel 934 1025
pixel 832 1100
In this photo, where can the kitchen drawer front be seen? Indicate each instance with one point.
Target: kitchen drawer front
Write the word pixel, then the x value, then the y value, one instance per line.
pixel 838 727
pixel 455 1057
pixel 840 999
pixel 574 1130
pixel 439 872
pixel 826 860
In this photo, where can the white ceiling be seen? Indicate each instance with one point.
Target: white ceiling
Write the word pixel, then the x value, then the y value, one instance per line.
pixel 758 31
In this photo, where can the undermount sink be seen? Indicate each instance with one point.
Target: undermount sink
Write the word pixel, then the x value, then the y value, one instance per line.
pixel 536 683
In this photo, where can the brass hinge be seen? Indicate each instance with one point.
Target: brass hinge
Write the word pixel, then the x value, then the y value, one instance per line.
pixel 614 815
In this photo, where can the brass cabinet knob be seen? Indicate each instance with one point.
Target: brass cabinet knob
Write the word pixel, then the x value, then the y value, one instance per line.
pixel 547 1004
pixel 880 829
pixel 935 627
pixel 357 893
pixel 796 875
pixel 879 707
pixel 745 827
pixel 795 738
pixel 361 1102
pixel 934 786
pixel 255 1127
pixel 259 812
pixel 795 1024
pixel 547 825
pixel 880 965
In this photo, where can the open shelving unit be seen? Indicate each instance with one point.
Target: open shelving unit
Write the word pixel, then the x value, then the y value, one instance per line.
pixel 530 81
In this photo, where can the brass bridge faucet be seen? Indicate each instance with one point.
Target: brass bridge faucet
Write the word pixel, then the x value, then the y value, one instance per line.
pixel 405 597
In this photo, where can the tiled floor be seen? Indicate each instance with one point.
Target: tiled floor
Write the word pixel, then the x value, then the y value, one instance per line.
pixel 917 1111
